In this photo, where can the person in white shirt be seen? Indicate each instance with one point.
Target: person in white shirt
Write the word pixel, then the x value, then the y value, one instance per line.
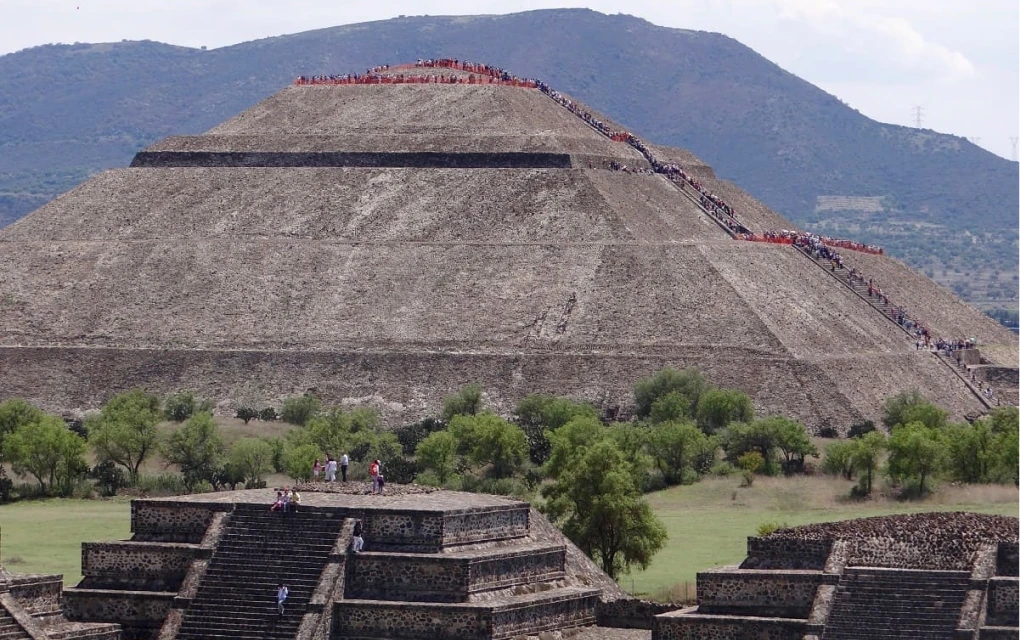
pixel 330 469
pixel 344 461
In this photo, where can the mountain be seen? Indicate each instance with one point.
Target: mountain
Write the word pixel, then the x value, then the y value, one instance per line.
pixel 937 201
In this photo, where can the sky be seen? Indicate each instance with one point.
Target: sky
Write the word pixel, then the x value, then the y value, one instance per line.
pixel 959 61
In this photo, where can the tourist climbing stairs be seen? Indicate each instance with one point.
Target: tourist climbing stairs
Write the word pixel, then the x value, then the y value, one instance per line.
pixel 9 627
pixel 893 604
pixel 259 550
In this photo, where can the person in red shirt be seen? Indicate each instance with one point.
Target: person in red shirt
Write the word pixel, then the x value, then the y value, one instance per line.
pixel 373 472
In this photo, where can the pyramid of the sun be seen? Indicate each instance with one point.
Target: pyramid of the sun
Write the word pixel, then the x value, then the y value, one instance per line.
pixel 390 243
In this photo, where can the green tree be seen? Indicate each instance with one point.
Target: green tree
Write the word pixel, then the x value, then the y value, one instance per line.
pixel 298 461
pixel 15 413
pixel 597 500
pixel 791 439
pixel 866 457
pixel 181 406
pixel 916 455
pixel 838 459
pixel 539 413
pixel 252 459
pixel 717 408
pixel 572 437
pixel 488 439
pixel 970 453
pixel 911 406
pixel 300 410
pixel 47 450
pixel 197 450
pixel 466 402
pixel 672 407
pixel 247 414
pixel 689 383
pixel 126 431
pixel 438 453
pixel 340 431
pixel 676 448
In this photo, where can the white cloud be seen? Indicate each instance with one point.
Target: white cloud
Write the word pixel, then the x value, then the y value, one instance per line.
pixel 865 30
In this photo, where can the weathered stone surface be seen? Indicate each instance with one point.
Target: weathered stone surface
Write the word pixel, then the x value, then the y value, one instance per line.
pixel 780 594
pixel 688 625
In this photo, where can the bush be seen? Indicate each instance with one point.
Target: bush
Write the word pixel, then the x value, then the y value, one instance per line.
pixel 858 429
pixel 164 484
pixel 299 460
pixel 247 414
pixel 300 410
pixel 410 436
pixel 109 478
pixel 751 461
pixel 401 470
pixel 748 478
pixel 279 448
pixel 687 383
pixel 268 415
pixel 717 408
pixel 467 402
pixel 828 432
pixel 766 528
pixel 181 406
pixel 722 468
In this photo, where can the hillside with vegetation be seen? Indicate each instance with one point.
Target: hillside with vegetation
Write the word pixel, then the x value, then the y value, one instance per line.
pixel 69 111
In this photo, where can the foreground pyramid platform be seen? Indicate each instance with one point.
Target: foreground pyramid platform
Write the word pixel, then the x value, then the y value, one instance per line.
pixel 387 244
pixel 436 564
pixel 930 576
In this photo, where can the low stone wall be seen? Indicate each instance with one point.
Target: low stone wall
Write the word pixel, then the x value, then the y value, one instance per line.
pixel 444 578
pixel 631 613
pixel 165 521
pixel 37 594
pixel 688 625
pixel 138 612
pixel 384 620
pixel 1007 560
pixel 786 553
pixel 548 614
pixel 145 566
pixel 765 593
pixel 410 159
pixel 888 552
pixel 496 523
pixel 1003 598
pixel 429 531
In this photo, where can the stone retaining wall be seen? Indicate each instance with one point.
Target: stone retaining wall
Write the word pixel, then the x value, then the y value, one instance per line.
pixel 777 593
pixel 146 566
pixel 164 521
pixel 1003 598
pixel 394 620
pixel 492 524
pixel 439 578
pixel 429 531
pixel 412 159
pixel 786 553
pixel 885 551
pixel 550 614
pixel 140 613
pixel 685 626
pixel 631 613
pixel 37 593
pixel 1007 561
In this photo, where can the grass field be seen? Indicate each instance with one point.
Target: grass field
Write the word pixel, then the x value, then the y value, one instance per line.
pixel 45 536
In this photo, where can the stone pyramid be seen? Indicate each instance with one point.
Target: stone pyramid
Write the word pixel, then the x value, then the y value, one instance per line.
pixel 387 243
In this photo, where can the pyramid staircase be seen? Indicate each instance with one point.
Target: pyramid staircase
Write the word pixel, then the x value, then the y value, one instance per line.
pixel 897 604
pixel 31 608
pixel 259 550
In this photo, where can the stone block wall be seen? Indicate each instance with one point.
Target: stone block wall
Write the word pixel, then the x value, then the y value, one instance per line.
pixel 549 614
pixel 1003 598
pixel 443 578
pixel 1007 561
pixel 885 551
pixel 631 613
pixel 786 553
pixel 144 566
pixel 37 594
pixel 429 531
pixel 140 613
pixel 685 626
pixel 165 521
pixel 766 593
pixel 400 621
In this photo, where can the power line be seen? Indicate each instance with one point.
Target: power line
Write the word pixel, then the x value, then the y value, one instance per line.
pixel 918 116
